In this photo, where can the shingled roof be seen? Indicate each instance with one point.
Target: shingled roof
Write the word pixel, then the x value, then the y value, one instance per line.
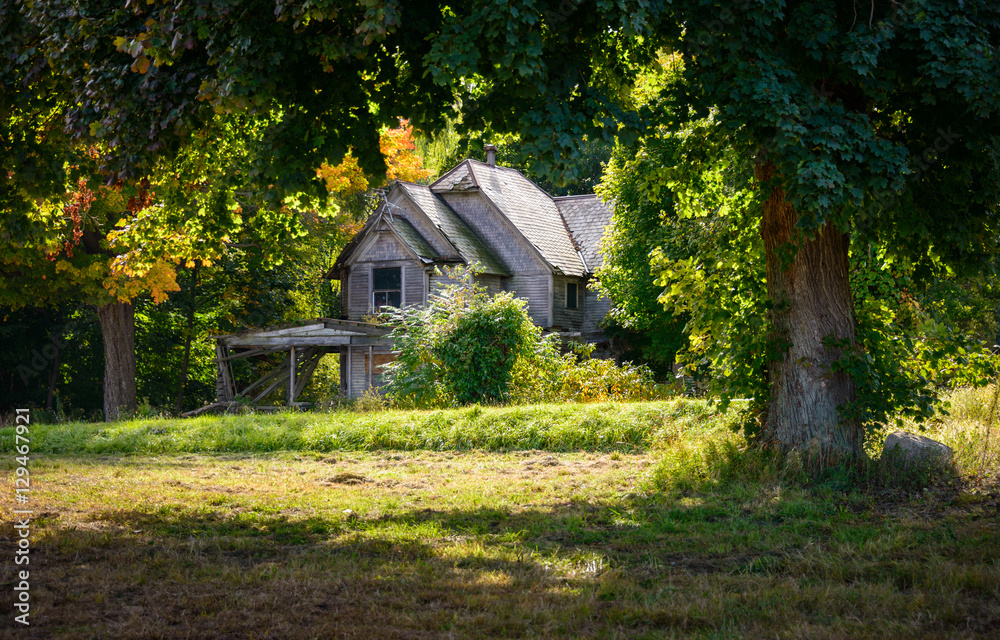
pixel 587 218
pixel 532 211
pixel 468 244
pixel 412 237
pixel 565 231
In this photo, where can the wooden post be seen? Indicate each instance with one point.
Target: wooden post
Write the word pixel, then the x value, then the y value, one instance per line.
pixel 224 385
pixel 291 376
pixel 371 365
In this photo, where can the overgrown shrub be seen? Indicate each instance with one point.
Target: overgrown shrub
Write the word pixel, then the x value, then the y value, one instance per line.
pixel 460 348
pixel 467 346
pixel 549 376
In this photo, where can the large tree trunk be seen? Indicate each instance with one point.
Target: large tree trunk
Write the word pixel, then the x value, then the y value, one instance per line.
pixel 811 292
pixel 118 330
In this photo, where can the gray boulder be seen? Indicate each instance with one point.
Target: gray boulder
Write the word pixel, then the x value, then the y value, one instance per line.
pixel 913 448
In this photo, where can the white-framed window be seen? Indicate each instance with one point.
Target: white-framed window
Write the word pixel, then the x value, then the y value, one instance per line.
pixel 572 301
pixel 387 287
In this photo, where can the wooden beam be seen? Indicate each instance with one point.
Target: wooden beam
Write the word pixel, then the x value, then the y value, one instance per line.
pixel 293 368
pixel 280 369
pixel 309 364
pixel 271 387
pixel 225 386
pixel 291 330
pixel 251 353
pixel 210 407
pixel 283 343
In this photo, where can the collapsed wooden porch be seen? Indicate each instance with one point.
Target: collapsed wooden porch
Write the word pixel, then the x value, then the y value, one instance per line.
pixel 305 344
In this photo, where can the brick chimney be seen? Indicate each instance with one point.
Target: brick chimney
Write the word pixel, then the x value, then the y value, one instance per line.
pixel 491 155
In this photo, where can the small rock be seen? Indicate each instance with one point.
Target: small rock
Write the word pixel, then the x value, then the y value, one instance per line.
pixel 913 448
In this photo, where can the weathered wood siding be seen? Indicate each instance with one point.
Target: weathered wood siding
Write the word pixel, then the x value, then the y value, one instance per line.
pixel 345 294
pixel 437 281
pixel 562 316
pixel 363 369
pixel 359 373
pixel 536 289
pixel 594 310
pixel 358 287
pixel 386 251
pixel 532 279
pixel 493 283
pixel 413 284
pixel 385 247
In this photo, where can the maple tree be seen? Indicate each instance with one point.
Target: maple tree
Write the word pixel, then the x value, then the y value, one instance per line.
pixel 347 181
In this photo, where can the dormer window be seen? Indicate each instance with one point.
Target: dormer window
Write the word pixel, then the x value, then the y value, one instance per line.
pixel 387 288
pixel 571 295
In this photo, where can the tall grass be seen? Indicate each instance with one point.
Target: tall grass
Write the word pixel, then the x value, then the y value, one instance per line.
pixel 554 427
pixel 972 430
pixel 700 462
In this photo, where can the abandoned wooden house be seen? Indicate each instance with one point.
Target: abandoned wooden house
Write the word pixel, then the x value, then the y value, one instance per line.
pixel 542 248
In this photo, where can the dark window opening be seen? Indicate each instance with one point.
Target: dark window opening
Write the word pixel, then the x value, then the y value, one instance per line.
pixel 571 299
pixel 387 287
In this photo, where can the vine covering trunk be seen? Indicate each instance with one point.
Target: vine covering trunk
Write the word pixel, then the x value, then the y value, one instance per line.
pixel 118 331
pixel 810 288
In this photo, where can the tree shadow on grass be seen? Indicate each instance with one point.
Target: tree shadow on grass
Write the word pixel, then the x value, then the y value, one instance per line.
pixel 632 567
pixel 173 575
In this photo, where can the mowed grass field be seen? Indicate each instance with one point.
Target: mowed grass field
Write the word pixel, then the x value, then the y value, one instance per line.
pixel 652 525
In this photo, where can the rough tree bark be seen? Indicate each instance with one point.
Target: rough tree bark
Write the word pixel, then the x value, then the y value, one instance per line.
pixel 118 331
pixel 812 301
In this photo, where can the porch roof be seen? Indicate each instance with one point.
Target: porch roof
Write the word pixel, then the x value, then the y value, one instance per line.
pixel 318 332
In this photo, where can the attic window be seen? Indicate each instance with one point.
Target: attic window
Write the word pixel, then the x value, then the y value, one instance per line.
pixel 386 287
pixel 571 297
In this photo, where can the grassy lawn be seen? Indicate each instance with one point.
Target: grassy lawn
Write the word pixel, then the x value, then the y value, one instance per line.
pixel 670 532
pixel 553 427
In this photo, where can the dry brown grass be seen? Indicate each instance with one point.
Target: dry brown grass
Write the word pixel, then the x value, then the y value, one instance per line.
pixel 487 545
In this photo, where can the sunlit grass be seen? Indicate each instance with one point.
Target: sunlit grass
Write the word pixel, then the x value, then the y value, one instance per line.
pixel 680 531
pixel 553 427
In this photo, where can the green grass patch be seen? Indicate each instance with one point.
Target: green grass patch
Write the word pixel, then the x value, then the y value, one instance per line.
pixel 458 524
pixel 552 427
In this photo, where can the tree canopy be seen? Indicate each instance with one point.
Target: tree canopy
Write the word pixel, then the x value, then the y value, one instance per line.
pixel 878 125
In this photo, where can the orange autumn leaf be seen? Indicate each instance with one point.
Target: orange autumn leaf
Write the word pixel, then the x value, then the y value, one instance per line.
pixel 400 153
pixel 402 163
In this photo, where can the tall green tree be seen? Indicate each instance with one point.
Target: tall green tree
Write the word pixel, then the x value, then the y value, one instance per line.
pixel 877 125
pixel 882 124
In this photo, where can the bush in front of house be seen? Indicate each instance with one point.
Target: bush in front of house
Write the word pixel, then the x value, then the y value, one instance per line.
pixel 574 376
pixel 467 346
pixel 460 348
